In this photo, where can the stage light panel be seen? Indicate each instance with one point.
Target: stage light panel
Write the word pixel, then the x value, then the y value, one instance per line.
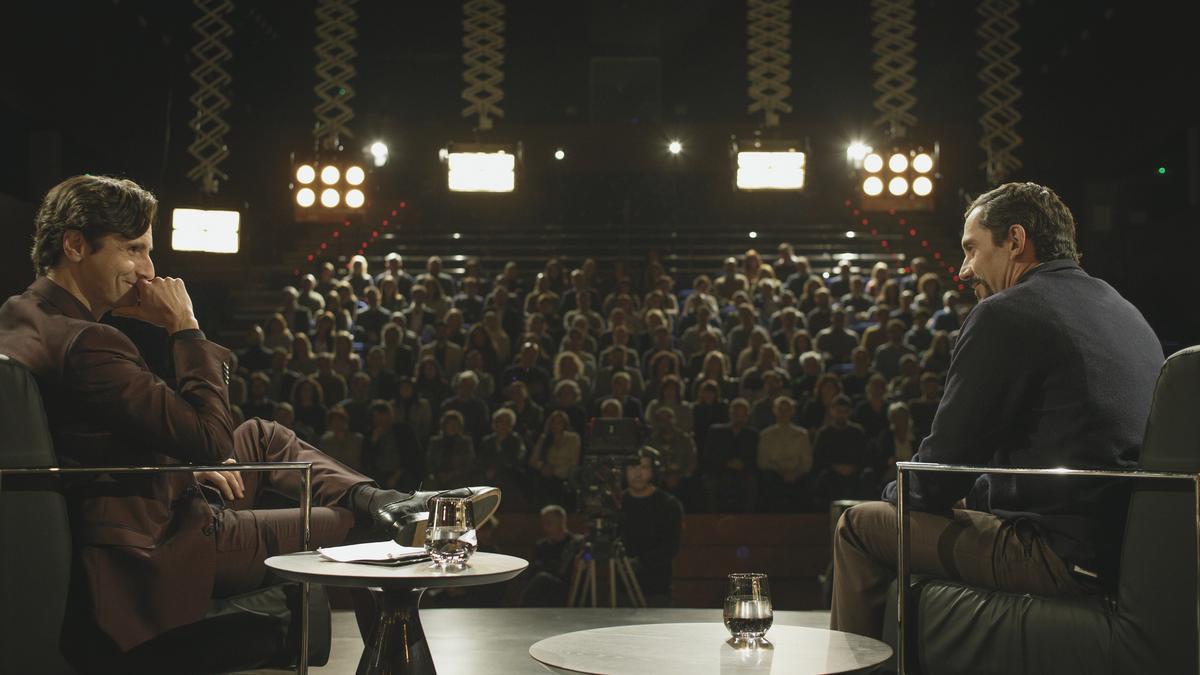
pixel 330 174
pixel 758 170
pixel 481 171
pixel 209 231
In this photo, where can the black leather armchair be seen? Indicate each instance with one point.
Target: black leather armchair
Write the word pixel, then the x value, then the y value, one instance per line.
pixel 262 628
pixel 1151 623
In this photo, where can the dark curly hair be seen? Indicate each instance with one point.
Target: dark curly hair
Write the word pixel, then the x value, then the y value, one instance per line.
pixel 1047 221
pixel 94 205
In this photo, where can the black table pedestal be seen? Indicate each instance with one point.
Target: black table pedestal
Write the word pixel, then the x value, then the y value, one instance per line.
pixel 397 645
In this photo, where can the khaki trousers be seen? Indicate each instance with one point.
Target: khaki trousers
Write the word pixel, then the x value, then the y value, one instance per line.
pixel 969 546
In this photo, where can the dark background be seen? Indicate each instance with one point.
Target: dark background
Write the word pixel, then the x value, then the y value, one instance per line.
pixel 103 87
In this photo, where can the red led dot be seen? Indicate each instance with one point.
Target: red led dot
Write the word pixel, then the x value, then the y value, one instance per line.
pixel 346 224
pixel 855 212
pixel 324 246
pixel 404 205
pixel 912 231
pixel 295 272
pixel 950 269
pixel 924 243
pixel 364 244
pixel 955 277
pixel 848 203
pixel 891 212
pixel 336 235
pixel 385 222
pixel 374 233
pixel 865 222
pixel 884 243
pixel 310 257
pixel 961 287
pixel 393 212
pixel 874 231
pixel 903 221
pixel 937 255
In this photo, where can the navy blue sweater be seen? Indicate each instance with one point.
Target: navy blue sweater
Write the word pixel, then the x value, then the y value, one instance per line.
pixel 1057 371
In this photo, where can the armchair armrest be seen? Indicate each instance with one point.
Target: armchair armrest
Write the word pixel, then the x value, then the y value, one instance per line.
pixel 305 469
pixel 902 564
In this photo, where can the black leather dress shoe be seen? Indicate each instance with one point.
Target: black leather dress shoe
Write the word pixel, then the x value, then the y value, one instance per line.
pixel 405 518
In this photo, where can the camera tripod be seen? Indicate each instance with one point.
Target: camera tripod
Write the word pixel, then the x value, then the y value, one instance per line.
pixel 583 581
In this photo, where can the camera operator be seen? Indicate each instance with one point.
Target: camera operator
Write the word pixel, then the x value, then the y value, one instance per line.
pixel 651 522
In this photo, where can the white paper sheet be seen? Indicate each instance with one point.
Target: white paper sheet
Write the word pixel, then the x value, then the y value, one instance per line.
pixel 375 551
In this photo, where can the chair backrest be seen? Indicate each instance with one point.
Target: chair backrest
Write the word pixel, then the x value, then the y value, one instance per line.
pixel 1155 629
pixel 35 535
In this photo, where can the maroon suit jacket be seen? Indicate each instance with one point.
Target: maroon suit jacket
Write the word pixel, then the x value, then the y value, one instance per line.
pixel 145 541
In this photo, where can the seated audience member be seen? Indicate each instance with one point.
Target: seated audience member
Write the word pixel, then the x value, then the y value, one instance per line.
pixel 874 333
pixel 907 384
pixel 887 357
pixel 812 366
pixel 946 319
pixel 738 337
pixel 768 362
pixel 936 359
pixel 919 337
pixel 716 369
pixel 474 410
pixel 925 407
pixel 418 316
pixel 854 382
pixel 896 443
pixel 729 462
pixel 670 396
pixel 373 318
pixel 391 453
pixel 708 410
pixel 528 370
pixel 762 414
pixel 710 341
pixel 322 337
pixel 308 296
pixel 282 376
pixel 610 409
pixel 360 280
pixel 486 389
pixel 390 297
pixel 501 455
pixel 345 362
pixel 871 412
pixel 410 407
pixel 469 301
pixel 553 565
pixel 394 269
pixel 339 442
pixel 451 455
pixel 821 316
pixel 298 317
pixel 308 401
pixel 447 353
pixel 785 458
pixel 258 403
pixel 568 366
pixel 285 415
pixel 651 526
pixel 555 455
pixel 303 360
pixel 856 301
pixel 621 389
pixel 255 357
pixel 383 381
pixel 530 416
pixel 817 410
pixel 1052 368
pixel 677 449
pixel 479 341
pixel 840 461
pixel 358 405
pixel 431 382
pixel 566 399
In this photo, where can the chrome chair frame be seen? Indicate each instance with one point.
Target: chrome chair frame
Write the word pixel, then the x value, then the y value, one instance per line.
pixel 902 571
pixel 305 469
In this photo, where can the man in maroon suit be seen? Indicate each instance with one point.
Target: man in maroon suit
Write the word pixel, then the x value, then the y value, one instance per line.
pixel 153 550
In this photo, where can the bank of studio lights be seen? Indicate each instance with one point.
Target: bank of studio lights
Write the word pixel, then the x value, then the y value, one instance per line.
pixel 329 187
pixel 900 179
pixel 769 165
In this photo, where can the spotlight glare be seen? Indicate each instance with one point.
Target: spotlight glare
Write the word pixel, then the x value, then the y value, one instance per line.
pixel 208 231
pixel 355 198
pixel 481 171
pixel 329 175
pixel 753 234
pixel 857 151
pixel 305 197
pixel 456 235
pixel 850 234
pixel 898 163
pixel 379 148
pixel 329 197
pixel 922 186
pixel 898 186
pixel 675 147
pixel 760 170
pixel 873 185
pixel 873 163
pixel 355 175
pixel 559 154
pixel 305 174
pixel 922 163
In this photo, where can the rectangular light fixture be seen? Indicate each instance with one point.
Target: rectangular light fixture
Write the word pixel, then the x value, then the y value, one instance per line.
pixel 763 170
pixel 481 171
pixel 204 230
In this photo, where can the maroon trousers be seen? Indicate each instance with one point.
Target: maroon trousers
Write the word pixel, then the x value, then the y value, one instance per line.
pixel 246 536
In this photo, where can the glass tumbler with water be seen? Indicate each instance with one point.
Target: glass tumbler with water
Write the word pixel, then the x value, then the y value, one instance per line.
pixel 450 537
pixel 748 613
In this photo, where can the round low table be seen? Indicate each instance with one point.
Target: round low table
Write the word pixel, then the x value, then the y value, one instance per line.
pixel 697 648
pixel 397 643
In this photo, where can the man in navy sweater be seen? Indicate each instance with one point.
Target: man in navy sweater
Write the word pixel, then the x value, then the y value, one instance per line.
pixel 1053 368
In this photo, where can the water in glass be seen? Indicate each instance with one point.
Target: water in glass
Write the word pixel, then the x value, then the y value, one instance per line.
pixel 748 612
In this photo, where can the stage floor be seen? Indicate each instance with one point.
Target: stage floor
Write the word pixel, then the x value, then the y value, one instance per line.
pixel 469 641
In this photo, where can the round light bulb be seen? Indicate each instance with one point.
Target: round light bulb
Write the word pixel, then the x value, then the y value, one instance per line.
pixel 559 154
pixel 922 163
pixel 898 162
pixel 898 186
pixel 355 175
pixel 922 186
pixel 379 148
pixel 675 147
pixel 873 163
pixel 305 197
pixel 329 198
pixel 873 186
pixel 355 198
pixel 330 175
pixel 305 174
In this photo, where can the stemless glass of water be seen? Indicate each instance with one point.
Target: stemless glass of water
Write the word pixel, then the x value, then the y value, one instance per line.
pixel 450 537
pixel 748 613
